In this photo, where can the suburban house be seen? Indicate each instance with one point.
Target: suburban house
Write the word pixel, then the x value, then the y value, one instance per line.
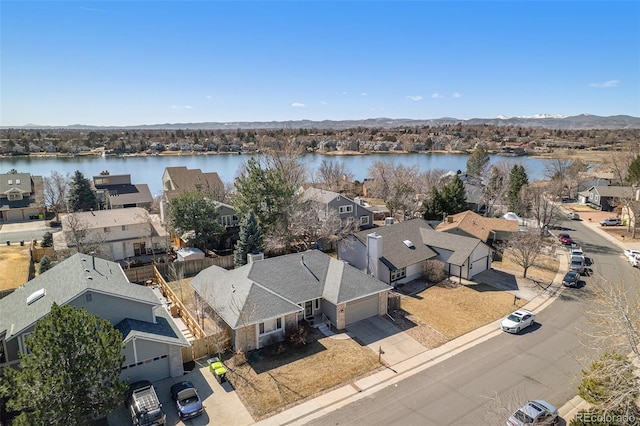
pixel 153 341
pixel 606 198
pixel 117 192
pixel 176 180
pixel 265 299
pixel 21 197
pixel 328 203
pixel 397 253
pixel 489 230
pixel 114 234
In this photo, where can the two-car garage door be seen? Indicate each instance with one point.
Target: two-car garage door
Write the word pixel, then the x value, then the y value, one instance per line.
pixel 151 369
pixel 360 309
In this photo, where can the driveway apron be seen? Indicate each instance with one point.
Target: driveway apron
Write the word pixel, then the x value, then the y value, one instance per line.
pixel 379 333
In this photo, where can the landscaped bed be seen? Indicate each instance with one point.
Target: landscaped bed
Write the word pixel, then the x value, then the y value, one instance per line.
pixel 273 380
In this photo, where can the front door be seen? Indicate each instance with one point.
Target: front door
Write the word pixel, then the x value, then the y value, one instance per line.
pixel 139 249
pixel 308 310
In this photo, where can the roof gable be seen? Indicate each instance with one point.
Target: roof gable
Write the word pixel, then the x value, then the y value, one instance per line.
pixel 476 225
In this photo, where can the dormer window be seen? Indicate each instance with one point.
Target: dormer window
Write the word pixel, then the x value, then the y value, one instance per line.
pixel 17 181
pixel 10 181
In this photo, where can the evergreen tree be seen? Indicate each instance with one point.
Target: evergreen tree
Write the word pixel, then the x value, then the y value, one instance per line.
pixel 633 174
pixel 45 264
pixel 478 162
pixel 251 239
pixel 82 197
pixel 454 196
pixel 266 191
pixel 517 179
pixel 47 239
pixel 194 214
pixel 71 374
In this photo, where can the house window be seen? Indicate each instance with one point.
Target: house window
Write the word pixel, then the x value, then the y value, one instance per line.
pixel 364 220
pixel 124 227
pixel 270 326
pixel 106 230
pixel 17 181
pixel 398 274
pixel 25 349
pixel 10 181
pixel 15 197
pixel 87 297
pixel 226 220
pixel 345 209
pixel 317 304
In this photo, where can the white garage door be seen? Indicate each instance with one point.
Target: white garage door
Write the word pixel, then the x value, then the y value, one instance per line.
pixel 479 266
pixel 14 215
pixel 152 370
pixel 360 309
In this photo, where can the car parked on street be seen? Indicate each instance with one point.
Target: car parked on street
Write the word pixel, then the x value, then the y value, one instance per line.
pixel 565 239
pixel 630 253
pixel 576 264
pixel 573 216
pixel 611 221
pixel 187 400
pixel 571 279
pixel 536 412
pixel 517 321
pixel 634 261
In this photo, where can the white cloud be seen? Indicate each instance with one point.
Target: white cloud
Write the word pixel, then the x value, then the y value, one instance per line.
pixel 181 107
pixel 323 102
pixel 609 83
pixel 209 96
pixel 298 105
pixel 343 93
pixel 415 98
pixel 437 96
pixel 457 95
pixel 363 94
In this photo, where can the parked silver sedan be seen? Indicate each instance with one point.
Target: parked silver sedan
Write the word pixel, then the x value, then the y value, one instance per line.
pixel 517 321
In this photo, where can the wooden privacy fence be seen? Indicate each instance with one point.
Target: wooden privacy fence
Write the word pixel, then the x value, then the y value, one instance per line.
pixel 179 308
pixel 189 268
pixel 207 346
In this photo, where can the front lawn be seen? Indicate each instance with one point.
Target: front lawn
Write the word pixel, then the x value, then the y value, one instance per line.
pixel 455 309
pixel 271 382
pixel 14 266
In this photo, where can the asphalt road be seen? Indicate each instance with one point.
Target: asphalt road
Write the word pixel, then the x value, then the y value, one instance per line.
pixel 24 235
pixel 481 385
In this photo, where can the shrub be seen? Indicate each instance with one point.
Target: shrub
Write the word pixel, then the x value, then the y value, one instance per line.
pixel 45 264
pixel 55 224
pixel 433 271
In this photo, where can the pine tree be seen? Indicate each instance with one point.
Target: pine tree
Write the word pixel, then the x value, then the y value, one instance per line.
pixel 478 162
pixel 517 179
pixel 47 239
pixel 82 196
pixel 71 374
pixel 251 239
pixel 45 264
pixel 633 174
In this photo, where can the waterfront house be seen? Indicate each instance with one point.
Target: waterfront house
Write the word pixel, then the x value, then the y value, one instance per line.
pixel 117 191
pixel 21 197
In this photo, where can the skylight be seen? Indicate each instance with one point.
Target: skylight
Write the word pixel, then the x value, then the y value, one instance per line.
pixel 409 244
pixel 38 294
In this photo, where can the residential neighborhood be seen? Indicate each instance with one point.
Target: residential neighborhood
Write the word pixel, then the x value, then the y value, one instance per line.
pixel 239 306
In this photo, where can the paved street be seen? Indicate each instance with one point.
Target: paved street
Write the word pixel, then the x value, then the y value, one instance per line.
pixel 543 362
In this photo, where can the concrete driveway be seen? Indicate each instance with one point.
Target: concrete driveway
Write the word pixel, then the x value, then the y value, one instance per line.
pixel 380 333
pixel 524 288
pixel 221 402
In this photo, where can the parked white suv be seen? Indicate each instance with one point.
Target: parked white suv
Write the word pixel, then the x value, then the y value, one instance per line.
pixel 576 264
pixel 610 221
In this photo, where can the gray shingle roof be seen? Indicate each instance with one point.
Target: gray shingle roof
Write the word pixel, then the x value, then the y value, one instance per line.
pixel 615 191
pixel 64 282
pixel 164 330
pixel 394 252
pixel 319 195
pixel 426 240
pixel 274 287
pixel 112 217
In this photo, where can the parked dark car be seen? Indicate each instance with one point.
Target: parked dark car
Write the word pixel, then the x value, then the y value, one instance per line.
pixel 571 279
pixel 187 400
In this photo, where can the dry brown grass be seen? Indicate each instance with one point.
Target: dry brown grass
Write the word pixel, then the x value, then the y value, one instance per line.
pixel 14 266
pixel 274 382
pixel 456 310
pixel 544 270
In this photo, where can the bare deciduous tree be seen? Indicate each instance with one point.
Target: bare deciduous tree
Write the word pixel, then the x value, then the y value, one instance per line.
pixel 56 189
pixel 81 238
pixel 541 207
pixel 399 186
pixel 525 248
pixel 332 175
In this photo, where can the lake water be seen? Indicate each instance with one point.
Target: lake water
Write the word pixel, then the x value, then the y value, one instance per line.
pixel 149 169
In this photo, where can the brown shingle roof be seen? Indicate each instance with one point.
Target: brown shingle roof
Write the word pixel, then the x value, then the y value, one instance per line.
pixel 478 226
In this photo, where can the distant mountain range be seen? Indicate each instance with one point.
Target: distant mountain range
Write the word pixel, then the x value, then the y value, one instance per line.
pixel 541 121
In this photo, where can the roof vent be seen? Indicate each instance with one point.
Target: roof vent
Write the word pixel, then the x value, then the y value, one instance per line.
pixel 409 244
pixel 89 277
pixel 38 294
pixel 86 270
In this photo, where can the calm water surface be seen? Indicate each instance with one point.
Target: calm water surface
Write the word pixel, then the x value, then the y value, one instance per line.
pixel 149 169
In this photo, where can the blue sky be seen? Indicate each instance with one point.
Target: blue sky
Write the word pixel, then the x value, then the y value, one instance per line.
pixel 144 62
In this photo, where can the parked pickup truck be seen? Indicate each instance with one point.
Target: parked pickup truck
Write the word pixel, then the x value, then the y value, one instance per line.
pixel 144 406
